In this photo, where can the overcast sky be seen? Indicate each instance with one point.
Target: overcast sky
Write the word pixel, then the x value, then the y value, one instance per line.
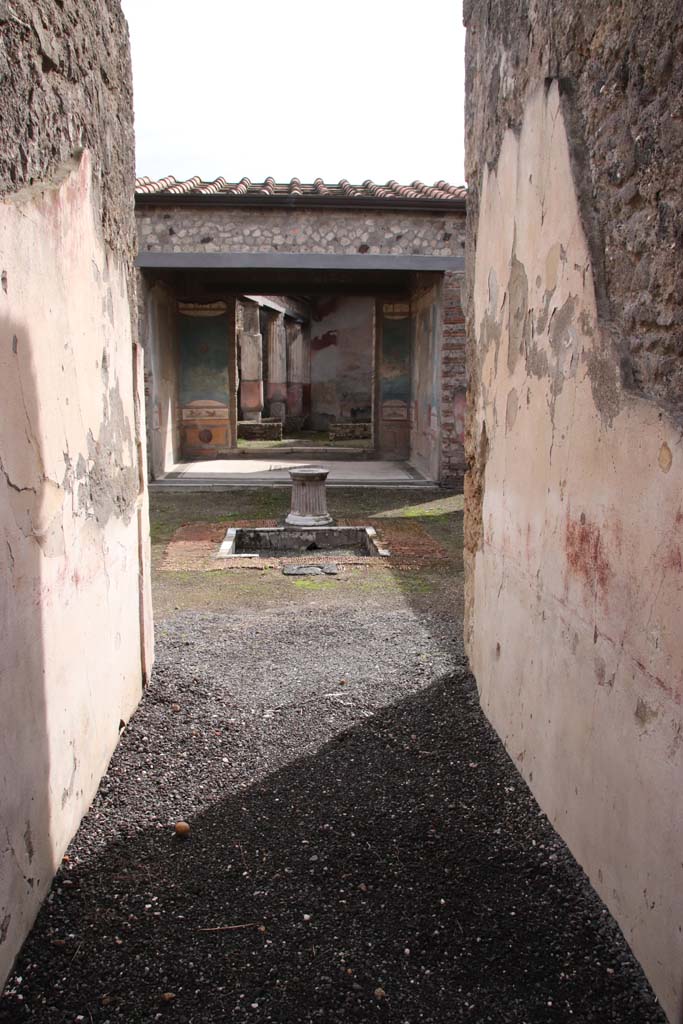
pixel 364 89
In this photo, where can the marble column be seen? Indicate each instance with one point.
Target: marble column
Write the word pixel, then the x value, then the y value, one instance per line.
pixel 276 389
pixel 251 363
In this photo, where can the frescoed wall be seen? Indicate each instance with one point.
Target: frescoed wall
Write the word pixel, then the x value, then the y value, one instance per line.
pixel 425 406
pixel 203 358
pixel 158 336
pixel 205 338
pixel 342 347
pixel 393 414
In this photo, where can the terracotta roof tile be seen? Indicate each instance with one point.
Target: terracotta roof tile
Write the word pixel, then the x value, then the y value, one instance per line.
pixel 319 192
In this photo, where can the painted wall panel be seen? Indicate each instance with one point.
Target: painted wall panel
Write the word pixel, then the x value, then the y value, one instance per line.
pixel 342 355
pixel 393 388
pixel 159 337
pixel 204 343
pixel 425 425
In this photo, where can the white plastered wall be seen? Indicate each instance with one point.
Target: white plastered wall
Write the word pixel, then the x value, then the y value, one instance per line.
pixel 75 613
pixel 575 629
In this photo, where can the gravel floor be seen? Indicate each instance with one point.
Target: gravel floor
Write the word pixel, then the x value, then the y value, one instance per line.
pixel 361 848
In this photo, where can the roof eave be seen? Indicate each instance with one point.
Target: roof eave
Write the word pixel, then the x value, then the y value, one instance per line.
pixel 456 204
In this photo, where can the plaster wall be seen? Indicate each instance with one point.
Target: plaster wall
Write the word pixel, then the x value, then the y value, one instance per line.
pixel 159 338
pixel 75 610
pixel 230 229
pixel 574 542
pixel 342 347
pixel 425 379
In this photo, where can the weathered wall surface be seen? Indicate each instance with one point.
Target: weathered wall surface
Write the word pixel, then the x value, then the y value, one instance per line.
pixel 212 229
pixel 574 522
pixel 74 598
pixel 159 338
pixel 342 346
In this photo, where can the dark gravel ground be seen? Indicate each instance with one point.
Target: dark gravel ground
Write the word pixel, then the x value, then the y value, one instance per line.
pixel 361 847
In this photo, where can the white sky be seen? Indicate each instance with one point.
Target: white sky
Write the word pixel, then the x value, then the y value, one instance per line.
pixel 362 89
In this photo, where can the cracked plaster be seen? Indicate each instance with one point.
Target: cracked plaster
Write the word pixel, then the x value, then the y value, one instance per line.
pixel 75 612
pixel 573 536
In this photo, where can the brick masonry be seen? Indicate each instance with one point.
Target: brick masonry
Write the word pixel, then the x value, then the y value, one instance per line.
pixel 266 430
pixel 350 431
pixel 453 381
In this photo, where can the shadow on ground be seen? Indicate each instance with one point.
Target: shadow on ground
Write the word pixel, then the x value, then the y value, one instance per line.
pixel 402 872
pixel 361 847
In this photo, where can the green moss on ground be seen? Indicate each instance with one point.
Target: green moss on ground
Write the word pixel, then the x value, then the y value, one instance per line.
pixel 439 513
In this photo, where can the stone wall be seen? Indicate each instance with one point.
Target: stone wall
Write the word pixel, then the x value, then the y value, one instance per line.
pixel 75 629
pixel 351 431
pixel 265 430
pixel 215 229
pixel 574 515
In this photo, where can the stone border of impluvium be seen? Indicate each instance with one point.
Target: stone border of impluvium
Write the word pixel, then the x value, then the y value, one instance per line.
pixel 229 543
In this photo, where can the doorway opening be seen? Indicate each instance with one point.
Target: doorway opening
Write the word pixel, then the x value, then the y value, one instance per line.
pixel 248 366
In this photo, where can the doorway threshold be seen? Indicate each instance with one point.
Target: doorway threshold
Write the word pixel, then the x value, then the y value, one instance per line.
pixel 313 453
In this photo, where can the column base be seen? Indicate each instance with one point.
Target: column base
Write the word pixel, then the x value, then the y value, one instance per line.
pixel 298 519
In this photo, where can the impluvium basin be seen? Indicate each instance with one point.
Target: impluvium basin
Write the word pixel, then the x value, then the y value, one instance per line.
pixel 310 542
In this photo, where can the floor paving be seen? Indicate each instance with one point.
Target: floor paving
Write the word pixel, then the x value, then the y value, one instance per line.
pixel 269 471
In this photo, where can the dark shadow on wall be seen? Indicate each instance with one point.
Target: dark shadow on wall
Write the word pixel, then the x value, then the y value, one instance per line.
pixel 26 538
pixel 401 871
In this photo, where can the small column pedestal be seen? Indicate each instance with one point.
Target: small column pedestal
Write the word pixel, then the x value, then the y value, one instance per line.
pixel 309 501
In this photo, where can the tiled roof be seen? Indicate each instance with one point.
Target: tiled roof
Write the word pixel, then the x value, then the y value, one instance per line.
pixel 319 193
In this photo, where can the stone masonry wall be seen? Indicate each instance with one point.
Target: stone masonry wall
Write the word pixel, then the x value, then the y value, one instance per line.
pixel 66 86
pixel 75 610
pixel 574 507
pixel 620 75
pixel 229 229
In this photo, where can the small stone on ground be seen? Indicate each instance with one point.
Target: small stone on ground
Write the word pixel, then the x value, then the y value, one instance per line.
pixel 310 570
